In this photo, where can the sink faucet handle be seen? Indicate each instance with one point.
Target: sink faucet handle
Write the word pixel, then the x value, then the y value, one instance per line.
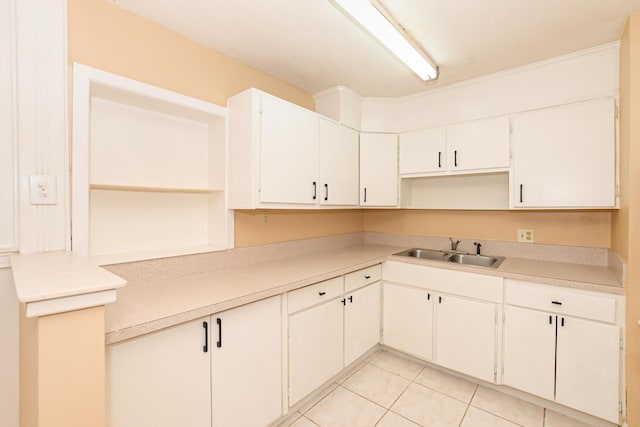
pixel 454 244
pixel 478 245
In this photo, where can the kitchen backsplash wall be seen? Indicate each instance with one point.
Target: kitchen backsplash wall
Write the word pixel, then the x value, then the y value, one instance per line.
pixel 590 229
pixel 570 228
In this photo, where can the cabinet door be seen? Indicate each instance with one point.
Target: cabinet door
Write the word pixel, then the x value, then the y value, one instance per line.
pixel 565 156
pixel 423 151
pixel 315 348
pixel 339 158
pixel 160 379
pixel 246 364
pixel 588 367
pixel 529 351
pixel 408 320
pixel 480 144
pixel 378 169
pixel 466 336
pixel 361 322
pixel 289 153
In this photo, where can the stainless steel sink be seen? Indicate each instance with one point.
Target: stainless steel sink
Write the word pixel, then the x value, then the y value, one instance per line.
pixel 424 254
pixel 457 257
pixel 477 260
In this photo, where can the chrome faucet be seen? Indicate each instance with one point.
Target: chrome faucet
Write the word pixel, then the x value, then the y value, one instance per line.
pixel 454 244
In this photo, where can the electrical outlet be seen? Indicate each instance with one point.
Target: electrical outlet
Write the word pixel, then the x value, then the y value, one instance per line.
pixel 42 190
pixel 525 235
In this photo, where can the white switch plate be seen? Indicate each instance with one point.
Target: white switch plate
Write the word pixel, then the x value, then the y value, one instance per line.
pixel 42 189
pixel 525 235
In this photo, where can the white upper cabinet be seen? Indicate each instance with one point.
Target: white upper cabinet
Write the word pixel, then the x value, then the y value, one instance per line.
pixel 338 164
pixel 378 169
pixel 289 153
pixel 564 157
pixel 284 156
pixel 423 151
pixel 479 144
pixel 471 146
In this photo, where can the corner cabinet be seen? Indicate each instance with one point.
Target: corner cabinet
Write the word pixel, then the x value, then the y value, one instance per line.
pixel 565 157
pixel 378 169
pixel 284 156
pixel 148 171
pixel 201 373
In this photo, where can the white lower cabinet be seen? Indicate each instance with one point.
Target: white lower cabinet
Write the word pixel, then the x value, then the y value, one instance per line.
pixel 466 336
pixel 246 365
pixel 361 322
pixel 408 320
pixel 315 348
pixel 558 356
pixel 330 328
pixel 200 373
pixel 161 379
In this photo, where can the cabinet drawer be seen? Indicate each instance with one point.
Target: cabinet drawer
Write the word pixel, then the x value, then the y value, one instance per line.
pixel 314 294
pixel 560 300
pixel 359 278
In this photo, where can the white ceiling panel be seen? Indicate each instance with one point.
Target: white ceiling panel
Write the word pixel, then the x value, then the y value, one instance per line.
pixel 312 45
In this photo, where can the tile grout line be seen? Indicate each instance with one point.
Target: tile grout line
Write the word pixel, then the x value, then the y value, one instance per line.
pixel 468 406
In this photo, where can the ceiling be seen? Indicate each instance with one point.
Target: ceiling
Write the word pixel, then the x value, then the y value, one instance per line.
pixel 312 45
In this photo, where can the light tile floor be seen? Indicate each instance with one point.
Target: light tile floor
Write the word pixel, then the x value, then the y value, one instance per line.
pixel 390 391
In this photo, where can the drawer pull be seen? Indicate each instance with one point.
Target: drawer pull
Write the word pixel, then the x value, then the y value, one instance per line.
pixel 367 276
pixel 351 298
pixel 343 301
pixel 556 302
pixel 428 297
pixel 322 293
pixel 550 320
pixel 562 322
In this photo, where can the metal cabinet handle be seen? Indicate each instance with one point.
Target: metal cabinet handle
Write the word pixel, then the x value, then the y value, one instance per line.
pixel 550 320
pixel 439 300
pixel 219 322
pixel 322 293
pixel 343 301
pixel 367 276
pixel 556 302
pixel 562 322
pixel 326 192
pixel 205 325
pixel 520 193
pixel 351 298
pixel 314 190
pixel 455 158
pixel 439 159
pixel 365 194
pixel 428 296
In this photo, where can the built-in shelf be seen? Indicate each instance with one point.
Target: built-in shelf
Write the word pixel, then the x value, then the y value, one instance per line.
pixel 487 191
pixel 154 189
pixel 148 171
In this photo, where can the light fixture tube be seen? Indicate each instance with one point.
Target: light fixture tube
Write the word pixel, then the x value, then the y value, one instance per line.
pixel 378 25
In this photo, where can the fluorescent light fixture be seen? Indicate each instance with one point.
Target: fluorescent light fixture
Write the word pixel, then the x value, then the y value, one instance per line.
pixel 379 26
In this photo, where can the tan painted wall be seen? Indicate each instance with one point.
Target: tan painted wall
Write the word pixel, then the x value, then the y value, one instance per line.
pixel 104 36
pixel 626 223
pixel 589 228
pixel 262 227
pixel 62 369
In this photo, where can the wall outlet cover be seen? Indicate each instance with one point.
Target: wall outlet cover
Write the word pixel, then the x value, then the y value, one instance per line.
pixel 525 235
pixel 42 190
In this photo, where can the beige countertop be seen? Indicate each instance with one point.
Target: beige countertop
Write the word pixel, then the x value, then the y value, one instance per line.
pixel 146 307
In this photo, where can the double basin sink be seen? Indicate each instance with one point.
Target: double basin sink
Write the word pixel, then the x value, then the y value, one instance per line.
pixel 453 256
